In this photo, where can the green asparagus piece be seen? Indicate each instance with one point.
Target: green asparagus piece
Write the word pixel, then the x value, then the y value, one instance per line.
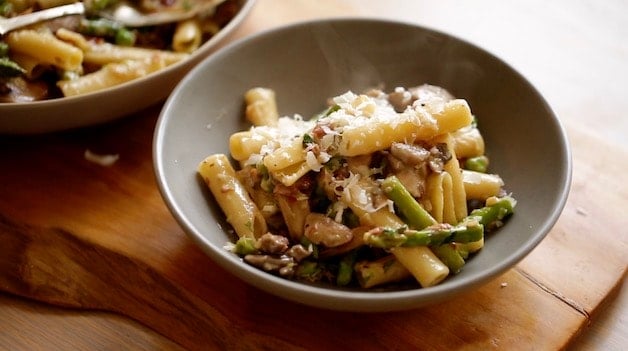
pixel 4 49
pixel 430 236
pixel 6 8
pixel 345 268
pixel 68 75
pixel 462 249
pixel 308 244
pixel 103 27
pixel 478 164
pixel 307 140
pixel 97 5
pixel 99 27
pixel 334 163
pixel 125 37
pixel 407 237
pixel 328 111
pixel 245 246
pixel 496 210
pixel 308 270
pixel 414 214
pixel 450 257
pixel 9 68
pixel 470 229
pixel 267 181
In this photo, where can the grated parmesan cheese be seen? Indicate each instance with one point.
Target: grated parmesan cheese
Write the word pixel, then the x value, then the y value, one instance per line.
pixel 102 160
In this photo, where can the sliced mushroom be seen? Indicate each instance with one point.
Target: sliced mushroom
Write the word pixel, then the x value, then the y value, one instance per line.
pixel 283 265
pixel 410 154
pixel 320 229
pixel 273 244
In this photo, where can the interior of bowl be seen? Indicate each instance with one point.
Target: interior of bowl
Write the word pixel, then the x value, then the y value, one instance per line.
pixel 309 62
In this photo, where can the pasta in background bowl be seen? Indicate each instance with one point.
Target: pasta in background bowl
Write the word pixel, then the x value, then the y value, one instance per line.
pixel 307 63
pixel 116 90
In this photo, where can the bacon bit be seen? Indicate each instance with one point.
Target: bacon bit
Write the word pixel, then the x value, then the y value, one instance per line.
pixel 318 132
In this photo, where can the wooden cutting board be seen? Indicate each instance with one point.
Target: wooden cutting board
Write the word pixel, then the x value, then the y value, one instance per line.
pixel 73 233
pixel 77 234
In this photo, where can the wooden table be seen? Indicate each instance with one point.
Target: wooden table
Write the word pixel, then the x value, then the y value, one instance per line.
pixel 91 259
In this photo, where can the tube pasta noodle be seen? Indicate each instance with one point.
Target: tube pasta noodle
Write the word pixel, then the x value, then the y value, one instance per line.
pixel 468 142
pixel 38 59
pixel 187 36
pixel 261 107
pixel 358 199
pixel 34 67
pixel 481 186
pixel 73 38
pixel 294 212
pixel 454 114
pixel 384 270
pixel 421 262
pixel 441 198
pixel 244 144
pixel 110 75
pixel 381 194
pixel 103 53
pixel 473 246
pixel 265 201
pixel 46 48
pixel 285 156
pixel 452 167
pixel 376 134
pixel 289 175
pixel 242 213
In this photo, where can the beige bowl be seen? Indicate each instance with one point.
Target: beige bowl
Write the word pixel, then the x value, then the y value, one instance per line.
pixel 308 62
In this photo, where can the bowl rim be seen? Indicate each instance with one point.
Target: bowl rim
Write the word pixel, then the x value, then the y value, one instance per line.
pixel 334 298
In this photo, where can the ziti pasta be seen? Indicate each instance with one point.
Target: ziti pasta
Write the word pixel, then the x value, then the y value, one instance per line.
pixel 380 188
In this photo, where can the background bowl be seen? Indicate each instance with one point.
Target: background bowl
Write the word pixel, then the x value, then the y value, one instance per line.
pixel 308 62
pixel 109 104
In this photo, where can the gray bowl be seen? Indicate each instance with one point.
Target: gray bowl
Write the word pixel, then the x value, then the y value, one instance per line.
pixel 308 62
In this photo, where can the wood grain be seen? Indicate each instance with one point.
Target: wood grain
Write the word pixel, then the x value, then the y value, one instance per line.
pixel 28 325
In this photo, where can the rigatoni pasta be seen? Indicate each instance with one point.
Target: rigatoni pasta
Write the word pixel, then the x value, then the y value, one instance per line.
pixel 111 75
pixel 46 48
pixel 242 212
pixel 261 107
pixel 373 191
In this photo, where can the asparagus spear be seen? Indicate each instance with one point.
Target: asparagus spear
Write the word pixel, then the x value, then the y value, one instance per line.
pixel 9 68
pixel 450 256
pixel 345 268
pixel 414 214
pixel 470 229
pixel 244 246
pixel 496 210
pixel 433 235
pixel 106 28
pixel 478 164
